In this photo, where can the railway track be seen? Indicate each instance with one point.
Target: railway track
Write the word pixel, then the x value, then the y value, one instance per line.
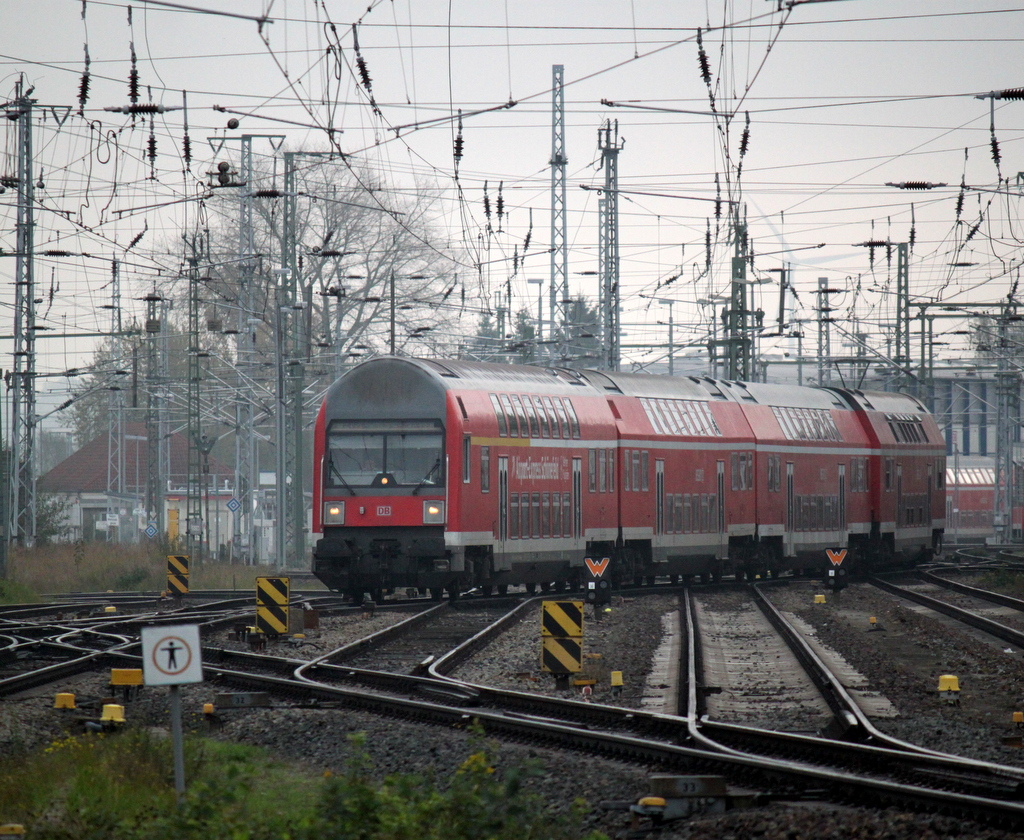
pixel 783 764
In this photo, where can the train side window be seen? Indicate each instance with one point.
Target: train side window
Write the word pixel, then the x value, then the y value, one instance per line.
pixel 485 469
pixel 749 472
pixel 679 513
pixel 500 414
pixel 670 416
pixel 513 520
pixel 545 515
pixel 940 473
pixel 694 417
pixel 678 417
pixel 645 468
pixel 563 417
pixel 687 514
pixel 611 470
pixel 704 514
pixel 636 469
pixel 566 515
pixel 535 518
pixel 737 471
pixel 710 418
pixel 542 415
pixel 552 418
pixel 573 419
pixel 513 423
pixel 524 515
pixel 532 414
pixel 466 453
pixel 556 514
pixel 625 469
pixel 888 473
pixel 524 423
pixel 592 469
pixel 602 470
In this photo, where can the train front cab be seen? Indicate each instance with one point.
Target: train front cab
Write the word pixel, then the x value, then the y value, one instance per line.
pixel 381 468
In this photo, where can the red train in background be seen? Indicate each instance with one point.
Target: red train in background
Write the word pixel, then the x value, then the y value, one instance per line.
pixel 970 501
pixel 442 474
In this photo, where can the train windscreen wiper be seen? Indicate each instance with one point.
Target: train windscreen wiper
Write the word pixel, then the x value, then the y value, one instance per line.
pixel 333 471
pixel 425 478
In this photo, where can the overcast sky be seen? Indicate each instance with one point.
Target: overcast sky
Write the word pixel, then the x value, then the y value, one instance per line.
pixel 842 98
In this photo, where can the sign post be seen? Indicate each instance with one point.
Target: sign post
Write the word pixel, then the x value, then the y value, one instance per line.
pixel 171 655
pixel 837 574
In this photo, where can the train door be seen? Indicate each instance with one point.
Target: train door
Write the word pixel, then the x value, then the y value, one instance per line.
pixel 577 503
pixel 929 517
pixel 842 500
pixel 790 509
pixel 723 537
pixel 502 560
pixel 900 518
pixel 659 489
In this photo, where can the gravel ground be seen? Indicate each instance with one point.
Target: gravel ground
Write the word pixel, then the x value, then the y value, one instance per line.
pixel 905 659
pixel 625 638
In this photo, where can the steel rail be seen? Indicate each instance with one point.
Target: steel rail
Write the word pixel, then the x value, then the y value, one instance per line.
pixel 987 625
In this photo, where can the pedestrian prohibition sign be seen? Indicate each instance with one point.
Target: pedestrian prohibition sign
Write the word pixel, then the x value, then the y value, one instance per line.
pixel 171 655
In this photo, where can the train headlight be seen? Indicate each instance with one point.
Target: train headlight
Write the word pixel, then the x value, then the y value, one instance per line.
pixel 433 513
pixel 334 513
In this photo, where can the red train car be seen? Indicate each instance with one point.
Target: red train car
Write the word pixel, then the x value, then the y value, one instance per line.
pixel 970 501
pixel 448 474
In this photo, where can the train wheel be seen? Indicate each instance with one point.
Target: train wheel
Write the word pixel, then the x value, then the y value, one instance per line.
pixel 561 586
pixel 454 592
pixel 649 580
pixel 545 587
pixel 436 592
pixel 531 588
pixel 487 590
pixel 503 589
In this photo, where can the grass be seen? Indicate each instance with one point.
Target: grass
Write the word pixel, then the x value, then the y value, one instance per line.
pixel 118 787
pixel 121 785
pixel 101 567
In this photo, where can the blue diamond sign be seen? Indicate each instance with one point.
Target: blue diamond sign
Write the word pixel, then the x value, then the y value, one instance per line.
pixel 234 505
pixel 151 531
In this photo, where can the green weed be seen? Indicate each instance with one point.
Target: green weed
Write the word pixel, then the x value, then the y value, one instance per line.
pixel 120 787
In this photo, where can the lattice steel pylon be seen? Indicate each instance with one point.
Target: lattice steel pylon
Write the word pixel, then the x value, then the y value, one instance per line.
pixel 156 477
pixel 608 243
pixel 738 341
pixel 115 408
pixel 293 350
pixel 194 482
pixel 1008 417
pixel 902 354
pixel 559 308
pixel 243 541
pixel 22 506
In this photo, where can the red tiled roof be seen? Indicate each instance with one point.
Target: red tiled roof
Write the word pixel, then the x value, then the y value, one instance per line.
pixel 86 470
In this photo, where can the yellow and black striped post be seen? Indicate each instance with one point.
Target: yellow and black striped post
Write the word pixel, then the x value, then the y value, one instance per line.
pixel 272 596
pixel 561 631
pixel 177 574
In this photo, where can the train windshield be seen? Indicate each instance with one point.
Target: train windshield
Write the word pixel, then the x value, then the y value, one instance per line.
pixel 393 453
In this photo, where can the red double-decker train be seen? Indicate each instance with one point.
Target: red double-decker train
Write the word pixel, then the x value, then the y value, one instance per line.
pixel 441 474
